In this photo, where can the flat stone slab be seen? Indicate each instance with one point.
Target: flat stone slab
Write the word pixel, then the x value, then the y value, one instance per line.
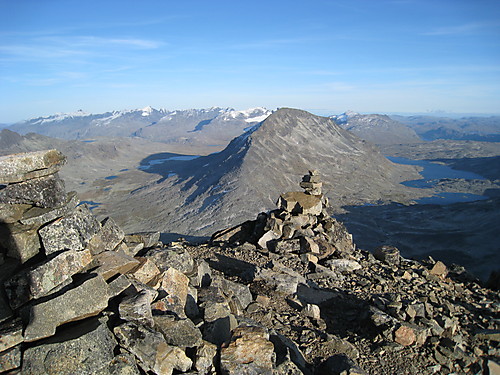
pixel 40 216
pixel 39 281
pixel 298 202
pixel 181 333
pixel 112 263
pixel 84 301
pixel 10 359
pixel 85 349
pixel 47 192
pixel 22 243
pixel 25 166
pixel 71 232
pixel 11 334
pixel 108 238
pixel 10 213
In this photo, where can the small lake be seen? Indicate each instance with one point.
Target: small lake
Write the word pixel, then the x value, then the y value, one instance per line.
pixel 152 162
pixel 435 171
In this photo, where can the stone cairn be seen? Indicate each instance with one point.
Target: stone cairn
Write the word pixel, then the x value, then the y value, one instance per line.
pixel 269 296
pixel 299 225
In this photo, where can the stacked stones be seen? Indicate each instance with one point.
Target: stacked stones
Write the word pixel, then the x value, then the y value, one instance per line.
pixel 300 225
pixel 78 296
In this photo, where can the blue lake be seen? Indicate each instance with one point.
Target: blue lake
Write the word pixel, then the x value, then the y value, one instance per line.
pixel 434 171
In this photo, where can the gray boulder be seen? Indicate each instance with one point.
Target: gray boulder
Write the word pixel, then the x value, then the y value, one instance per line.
pixel 25 166
pixel 85 349
pixel 46 192
pixel 84 301
pixel 70 232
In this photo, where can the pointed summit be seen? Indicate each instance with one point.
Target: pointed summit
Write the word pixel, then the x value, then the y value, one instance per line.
pixel 229 187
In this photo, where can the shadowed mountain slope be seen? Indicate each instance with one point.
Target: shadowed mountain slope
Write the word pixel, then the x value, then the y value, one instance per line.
pixel 219 190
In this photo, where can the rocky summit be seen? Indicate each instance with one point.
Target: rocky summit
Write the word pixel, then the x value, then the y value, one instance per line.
pixel 286 293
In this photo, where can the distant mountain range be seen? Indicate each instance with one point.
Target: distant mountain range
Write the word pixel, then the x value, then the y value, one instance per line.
pixel 211 129
pixel 378 129
pixel 214 126
pixel 429 128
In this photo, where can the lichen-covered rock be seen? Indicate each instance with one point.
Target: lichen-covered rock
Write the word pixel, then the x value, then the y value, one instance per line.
pixel 45 192
pixel 11 334
pixel 21 241
pixel 39 216
pixel 151 349
pixel 40 280
pixel 10 359
pixel 108 238
pixel 85 349
pixel 10 213
pixel 73 231
pixel 178 332
pixel 25 166
pixel 84 301
pixel 137 308
pixel 176 257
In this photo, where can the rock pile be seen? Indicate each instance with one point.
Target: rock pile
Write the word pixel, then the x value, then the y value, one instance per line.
pixel 287 293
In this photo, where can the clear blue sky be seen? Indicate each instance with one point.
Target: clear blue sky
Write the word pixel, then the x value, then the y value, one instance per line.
pixel 364 55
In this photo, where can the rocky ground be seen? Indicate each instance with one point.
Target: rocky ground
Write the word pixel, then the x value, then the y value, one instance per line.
pixel 286 293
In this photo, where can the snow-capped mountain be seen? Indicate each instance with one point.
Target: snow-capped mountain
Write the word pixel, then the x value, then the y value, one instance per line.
pixel 214 124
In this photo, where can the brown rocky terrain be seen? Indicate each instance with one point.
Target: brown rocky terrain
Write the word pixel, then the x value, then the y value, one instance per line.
pixel 285 293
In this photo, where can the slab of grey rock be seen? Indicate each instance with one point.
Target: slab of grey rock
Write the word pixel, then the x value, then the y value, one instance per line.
pixel 25 166
pixel 86 300
pixel 137 308
pixel 108 238
pixel 21 241
pixel 300 203
pixel 176 257
pixel 11 334
pixel 85 349
pixel 178 332
pixel 150 347
pixel 39 281
pixel 40 216
pixel 148 239
pixel 10 359
pixel 73 231
pixel 47 192
pixel 10 213
pixel 112 263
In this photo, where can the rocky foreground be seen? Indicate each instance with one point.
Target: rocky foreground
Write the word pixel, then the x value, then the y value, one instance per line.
pixel 287 293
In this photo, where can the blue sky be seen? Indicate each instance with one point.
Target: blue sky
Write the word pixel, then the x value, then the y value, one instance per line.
pixel 379 56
